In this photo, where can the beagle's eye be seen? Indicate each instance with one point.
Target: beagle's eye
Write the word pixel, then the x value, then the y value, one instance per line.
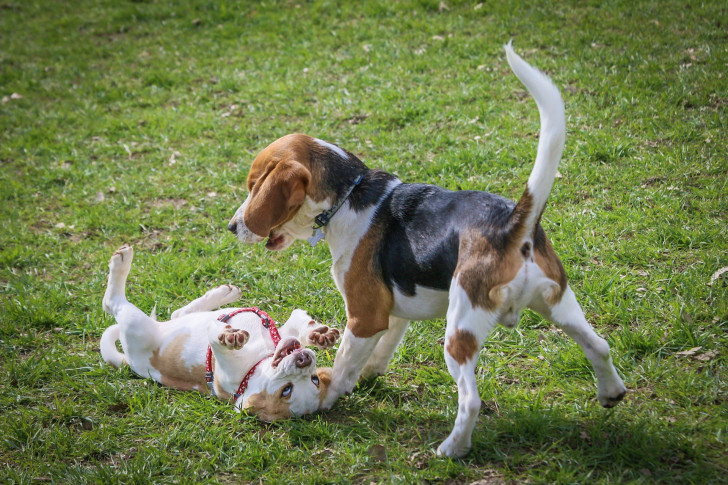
pixel 315 380
pixel 287 390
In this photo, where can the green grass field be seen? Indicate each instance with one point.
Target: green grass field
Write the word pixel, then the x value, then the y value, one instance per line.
pixel 136 121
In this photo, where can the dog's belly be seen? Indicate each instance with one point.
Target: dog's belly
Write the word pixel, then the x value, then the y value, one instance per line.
pixel 425 304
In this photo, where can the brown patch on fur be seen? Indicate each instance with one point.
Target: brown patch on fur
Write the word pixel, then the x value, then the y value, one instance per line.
pixel 297 148
pixel 368 300
pixel 276 196
pixel 324 375
pixel 174 373
pixel 462 345
pixel 269 407
pixel 482 268
pixel 547 259
pixel 520 214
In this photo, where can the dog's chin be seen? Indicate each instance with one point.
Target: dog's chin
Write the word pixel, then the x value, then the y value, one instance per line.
pixel 278 241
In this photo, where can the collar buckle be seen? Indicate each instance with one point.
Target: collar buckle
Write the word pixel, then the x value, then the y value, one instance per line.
pixel 324 218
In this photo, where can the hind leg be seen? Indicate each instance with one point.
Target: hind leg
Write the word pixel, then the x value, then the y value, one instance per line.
pixel 213 299
pixel 467 328
pixel 568 316
pixel 134 325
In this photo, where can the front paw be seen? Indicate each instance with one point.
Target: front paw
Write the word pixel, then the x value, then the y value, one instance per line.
pixel 233 338
pixel 323 337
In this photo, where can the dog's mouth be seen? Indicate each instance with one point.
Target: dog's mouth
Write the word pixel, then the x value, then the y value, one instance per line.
pixel 275 241
pixel 291 347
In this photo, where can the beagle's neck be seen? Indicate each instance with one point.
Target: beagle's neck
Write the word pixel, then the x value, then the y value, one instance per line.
pixel 352 222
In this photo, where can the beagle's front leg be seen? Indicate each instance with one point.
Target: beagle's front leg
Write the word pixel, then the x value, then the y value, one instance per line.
pixel 308 331
pixel 215 298
pixel 354 352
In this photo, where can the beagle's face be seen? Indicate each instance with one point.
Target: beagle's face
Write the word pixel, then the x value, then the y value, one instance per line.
pixel 277 187
pixel 290 386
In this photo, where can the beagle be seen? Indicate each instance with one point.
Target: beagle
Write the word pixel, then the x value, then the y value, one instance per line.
pixel 237 355
pixel 405 252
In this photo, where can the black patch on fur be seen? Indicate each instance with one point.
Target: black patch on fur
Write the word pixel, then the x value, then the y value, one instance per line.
pixel 421 226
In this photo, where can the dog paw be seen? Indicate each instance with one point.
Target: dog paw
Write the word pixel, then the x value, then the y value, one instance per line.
pixel 122 258
pixel 230 293
pixel 610 395
pixel 233 338
pixel 323 337
pixel 613 400
pixel 223 295
pixel 451 449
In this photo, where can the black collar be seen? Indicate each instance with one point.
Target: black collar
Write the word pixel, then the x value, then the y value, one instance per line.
pixel 324 218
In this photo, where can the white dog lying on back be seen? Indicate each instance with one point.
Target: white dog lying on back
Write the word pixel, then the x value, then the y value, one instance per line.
pixel 237 354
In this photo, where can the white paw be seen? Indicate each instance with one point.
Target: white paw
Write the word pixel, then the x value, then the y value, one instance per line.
pixel 222 295
pixel 452 449
pixel 610 396
pixel 231 293
pixel 121 260
pixel 372 371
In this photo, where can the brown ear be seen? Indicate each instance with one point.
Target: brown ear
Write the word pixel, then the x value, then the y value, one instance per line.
pixel 324 375
pixel 276 196
pixel 268 407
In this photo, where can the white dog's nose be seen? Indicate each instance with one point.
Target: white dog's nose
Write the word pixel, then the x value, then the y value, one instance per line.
pixel 233 227
pixel 303 360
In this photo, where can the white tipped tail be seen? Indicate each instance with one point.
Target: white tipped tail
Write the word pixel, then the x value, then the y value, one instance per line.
pixel 109 352
pixel 550 144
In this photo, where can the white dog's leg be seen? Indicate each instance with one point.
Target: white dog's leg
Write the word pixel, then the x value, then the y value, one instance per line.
pixel 134 325
pixel 353 353
pixel 384 351
pixel 308 331
pixel 467 328
pixel 568 315
pixel 213 299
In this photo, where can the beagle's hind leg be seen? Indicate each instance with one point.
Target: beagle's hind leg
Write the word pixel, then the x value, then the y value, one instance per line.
pixel 135 327
pixel 385 348
pixel 119 267
pixel 213 299
pixel 568 316
pixel 467 328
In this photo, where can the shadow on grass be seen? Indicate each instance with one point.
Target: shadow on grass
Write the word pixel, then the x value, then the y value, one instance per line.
pixel 602 445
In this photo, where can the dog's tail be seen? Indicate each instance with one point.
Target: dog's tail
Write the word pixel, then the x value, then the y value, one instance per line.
pixel 527 213
pixel 108 347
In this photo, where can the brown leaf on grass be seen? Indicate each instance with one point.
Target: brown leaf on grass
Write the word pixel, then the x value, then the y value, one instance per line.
pixel 690 352
pixel 717 275
pixel 377 452
pixel 706 356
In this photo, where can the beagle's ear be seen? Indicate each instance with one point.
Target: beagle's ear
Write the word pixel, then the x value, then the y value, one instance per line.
pixel 276 196
pixel 324 374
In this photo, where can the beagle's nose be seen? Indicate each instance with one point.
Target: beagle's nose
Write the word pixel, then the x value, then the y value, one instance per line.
pixel 233 227
pixel 303 360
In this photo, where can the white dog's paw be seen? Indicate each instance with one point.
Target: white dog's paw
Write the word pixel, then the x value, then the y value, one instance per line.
pixel 611 395
pixel 121 260
pixel 323 337
pixel 233 338
pixel 452 449
pixel 222 295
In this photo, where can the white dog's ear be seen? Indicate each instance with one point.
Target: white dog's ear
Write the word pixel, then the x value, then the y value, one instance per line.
pixel 324 375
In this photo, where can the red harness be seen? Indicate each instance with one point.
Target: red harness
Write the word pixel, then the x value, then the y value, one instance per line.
pixel 268 323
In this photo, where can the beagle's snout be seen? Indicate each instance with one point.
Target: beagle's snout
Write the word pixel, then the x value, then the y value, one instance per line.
pixel 233 227
pixel 303 360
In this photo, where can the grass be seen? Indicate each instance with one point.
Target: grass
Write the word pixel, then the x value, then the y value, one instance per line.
pixel 136 121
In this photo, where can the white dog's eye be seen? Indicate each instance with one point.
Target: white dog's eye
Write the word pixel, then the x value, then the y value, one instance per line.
pixel 315 380
pixel 287 390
